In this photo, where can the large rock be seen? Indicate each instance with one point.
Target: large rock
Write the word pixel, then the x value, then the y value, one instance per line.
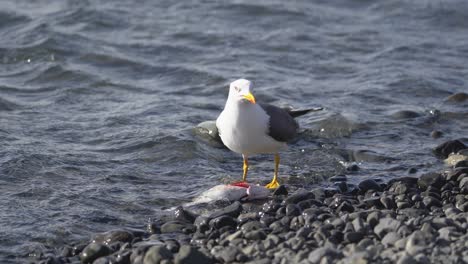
pixel 445 149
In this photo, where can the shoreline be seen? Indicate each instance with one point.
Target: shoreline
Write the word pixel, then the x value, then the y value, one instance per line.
pixel 406 220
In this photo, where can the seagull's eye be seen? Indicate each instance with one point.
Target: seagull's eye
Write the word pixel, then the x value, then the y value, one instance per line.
pixel 237 88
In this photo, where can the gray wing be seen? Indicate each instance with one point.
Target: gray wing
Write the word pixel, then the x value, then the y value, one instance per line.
pixel 283 127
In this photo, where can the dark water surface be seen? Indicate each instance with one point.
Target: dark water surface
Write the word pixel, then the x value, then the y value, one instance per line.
pixel 98 100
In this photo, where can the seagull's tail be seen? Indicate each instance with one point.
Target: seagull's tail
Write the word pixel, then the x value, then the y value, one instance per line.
pixel 296 113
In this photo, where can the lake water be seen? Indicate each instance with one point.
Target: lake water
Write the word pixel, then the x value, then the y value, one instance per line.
pixel 98 101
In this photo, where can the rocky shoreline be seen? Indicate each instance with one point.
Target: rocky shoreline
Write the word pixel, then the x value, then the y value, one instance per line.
pixel 406 220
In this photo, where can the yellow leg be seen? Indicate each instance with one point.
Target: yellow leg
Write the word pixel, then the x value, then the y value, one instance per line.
pixel 245 167
pixel 274 183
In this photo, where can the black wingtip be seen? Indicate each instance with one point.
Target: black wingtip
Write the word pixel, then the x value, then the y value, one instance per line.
pixel 296 113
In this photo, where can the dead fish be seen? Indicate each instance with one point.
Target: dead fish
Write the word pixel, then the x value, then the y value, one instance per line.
pixel 240 191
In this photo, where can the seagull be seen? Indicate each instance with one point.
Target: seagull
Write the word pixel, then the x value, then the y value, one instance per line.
pixel 248 128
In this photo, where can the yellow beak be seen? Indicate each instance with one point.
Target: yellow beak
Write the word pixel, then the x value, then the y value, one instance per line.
pixel 250 97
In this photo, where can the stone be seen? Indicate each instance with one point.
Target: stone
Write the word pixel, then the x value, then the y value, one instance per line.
pixel 223 221
pixel 386 225
pixel 369 184
pixel 232 210
pixel 94 251
pixel 298 196
pixel 431 179
pixel 388 202
pixel 445 149
pixel 345 206
pixel 191 255
pixel 415 243
pixel 431 201
pixel 156 254
pixel 390 238
pixel 406 259
pixel 281 190
pixel 252 225
pixel 353 237
pixel 255 235
pixel 292 210
pixel 184 215
pixel 113 236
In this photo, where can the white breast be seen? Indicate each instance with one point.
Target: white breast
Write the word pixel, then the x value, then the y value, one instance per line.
pixel 244 129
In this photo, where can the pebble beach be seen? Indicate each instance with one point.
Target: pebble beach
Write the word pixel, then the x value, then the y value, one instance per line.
pixel 405 220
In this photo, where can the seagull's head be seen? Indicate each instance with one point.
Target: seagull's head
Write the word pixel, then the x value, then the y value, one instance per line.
pixel 239 90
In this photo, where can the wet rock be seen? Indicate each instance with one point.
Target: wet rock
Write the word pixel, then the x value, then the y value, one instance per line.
pixel 209 133
pixel 232 210
pixel 445 149
pixel 457 97
pixel 191 255
pixel 386 225
pixel 405 114
pixel 94 251
pixel 431 179
pixel 353 168
pixel 122 257
pixel 184 215
pixel 281 190
pixel 113 236
pixel 461 164
pixel 202 223
pixel 298 196
pixel 345 206
pixel 369 184
pixel 156 254
pixel 177 227
pixel 271 206
pixel 223 221
pixel 292 210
